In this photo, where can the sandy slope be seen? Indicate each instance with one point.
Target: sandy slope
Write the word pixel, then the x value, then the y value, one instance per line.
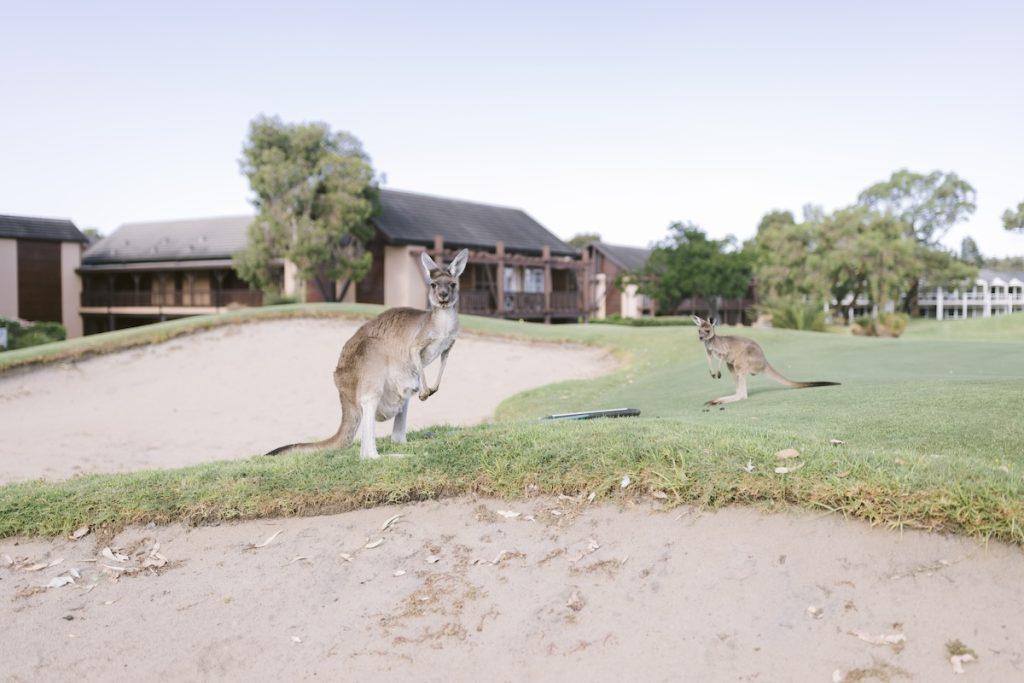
pixel 596 592
pixel 234 392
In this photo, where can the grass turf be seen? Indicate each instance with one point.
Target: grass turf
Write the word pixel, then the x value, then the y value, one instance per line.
pixel 932 425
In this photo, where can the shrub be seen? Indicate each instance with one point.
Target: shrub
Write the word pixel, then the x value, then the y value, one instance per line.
pixel 21 335
pixel 796 315
pixel 276 299
pixel 662 321
pixel 886 325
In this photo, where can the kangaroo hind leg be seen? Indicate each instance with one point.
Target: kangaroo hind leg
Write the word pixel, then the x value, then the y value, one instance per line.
pixel 739 395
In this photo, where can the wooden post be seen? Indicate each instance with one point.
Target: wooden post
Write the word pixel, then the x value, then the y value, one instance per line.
pixel 438 252
pixel 499 273
pixel 583 276
pixel 545 254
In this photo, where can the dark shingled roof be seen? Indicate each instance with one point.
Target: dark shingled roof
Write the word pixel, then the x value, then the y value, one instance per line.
pixel 185 240
pixel 31 228
pixel 631 259
pixel 410 218
pixel 405 218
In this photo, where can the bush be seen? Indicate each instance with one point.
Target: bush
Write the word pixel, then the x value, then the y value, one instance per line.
pixel 276 299
pixel 663 321
pixel 796 315
pixel 886 325
pixel 20 336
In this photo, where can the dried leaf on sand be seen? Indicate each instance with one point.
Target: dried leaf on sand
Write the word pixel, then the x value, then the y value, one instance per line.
pixel 115 557
pixel 373 544
pixel 508 514
pixel 389 521
pixel 80 532
pixel 267 542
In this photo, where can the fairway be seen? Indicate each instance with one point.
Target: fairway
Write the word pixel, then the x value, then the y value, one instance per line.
pixel 931 427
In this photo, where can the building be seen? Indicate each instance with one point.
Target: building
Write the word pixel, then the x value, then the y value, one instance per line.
pixel 38 260
pixel 993 293
pixel 609 261
pixel 517 268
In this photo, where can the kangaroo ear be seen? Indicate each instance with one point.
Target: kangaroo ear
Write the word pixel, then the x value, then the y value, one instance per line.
pixel 714 322
pixel 696 320
pixel 458 264
pixel 428 264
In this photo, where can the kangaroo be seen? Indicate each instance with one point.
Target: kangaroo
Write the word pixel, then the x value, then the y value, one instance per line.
pixel 382 365
pixel 743 357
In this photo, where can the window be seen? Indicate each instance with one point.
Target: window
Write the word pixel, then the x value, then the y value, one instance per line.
pixel 533 280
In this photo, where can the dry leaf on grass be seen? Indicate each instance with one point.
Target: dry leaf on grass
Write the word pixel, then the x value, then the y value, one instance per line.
pixel 787 453
pixel 592 496
pixel 836 442
pixel 626 481
pixel 660 495
pixel 389 521
pixel 267 542
pixel 787 470
pixel 844 474
pixel 508 514
pixel 958 661
pixel 373 544
pixel 749 466
pixel 111 555
pixel 80 532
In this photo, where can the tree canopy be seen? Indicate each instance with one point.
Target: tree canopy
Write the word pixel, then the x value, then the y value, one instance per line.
pixel 928 204
pixel 1013 219
pixel 689 264
pixel 970 253
pixel 315 193
pixel 582 239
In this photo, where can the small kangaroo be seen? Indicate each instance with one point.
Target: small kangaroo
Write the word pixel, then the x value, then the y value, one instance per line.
pixel 382 365
pixel 743 357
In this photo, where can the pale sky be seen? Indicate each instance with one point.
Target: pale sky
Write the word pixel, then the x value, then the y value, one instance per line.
pixel 592 116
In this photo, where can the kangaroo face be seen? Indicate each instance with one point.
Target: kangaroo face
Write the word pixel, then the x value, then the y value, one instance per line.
pixel 705 328
pixel 443 283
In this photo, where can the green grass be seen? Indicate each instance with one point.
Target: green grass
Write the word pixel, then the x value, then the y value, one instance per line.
pixel 996 328
pixel 933 430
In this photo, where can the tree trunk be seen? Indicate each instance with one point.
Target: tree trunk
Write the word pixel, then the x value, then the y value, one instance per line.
pixel 344 289
pixel 326 288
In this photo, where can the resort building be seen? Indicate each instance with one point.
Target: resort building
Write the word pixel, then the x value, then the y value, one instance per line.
pixel 993 293
pixel 517 268
pixel 38 259
pixel 609 261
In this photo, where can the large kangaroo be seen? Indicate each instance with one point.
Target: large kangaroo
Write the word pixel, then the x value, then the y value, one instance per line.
pixel 743 357
pixel 382 365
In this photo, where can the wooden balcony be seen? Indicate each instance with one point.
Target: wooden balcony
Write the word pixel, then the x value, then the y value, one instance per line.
pixel 525 305
pixel 178 299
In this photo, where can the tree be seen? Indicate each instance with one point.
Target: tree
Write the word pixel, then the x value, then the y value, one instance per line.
pixel 1013 219
pixel 582 239
pixel 688 264
pixel 315 194
pixel 784 258
pixel 969 252
pixel 929 205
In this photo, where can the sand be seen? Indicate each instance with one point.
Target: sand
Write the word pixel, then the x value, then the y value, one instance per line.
pixel 457 592
pixel 234 392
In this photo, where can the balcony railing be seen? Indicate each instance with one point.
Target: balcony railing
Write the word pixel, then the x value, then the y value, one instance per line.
pixel 185 299
pixel 518 304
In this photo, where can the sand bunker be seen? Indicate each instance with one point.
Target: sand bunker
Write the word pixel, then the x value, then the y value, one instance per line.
pixel 530 590
pixel 234 392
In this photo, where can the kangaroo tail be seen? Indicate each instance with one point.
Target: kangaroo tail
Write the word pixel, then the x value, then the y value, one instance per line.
pixel 340 439
pixel 774 374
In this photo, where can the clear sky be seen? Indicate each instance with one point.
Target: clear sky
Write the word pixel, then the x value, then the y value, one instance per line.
pixel 592 116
